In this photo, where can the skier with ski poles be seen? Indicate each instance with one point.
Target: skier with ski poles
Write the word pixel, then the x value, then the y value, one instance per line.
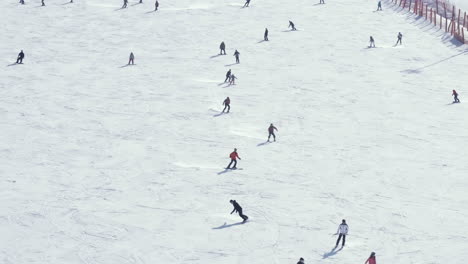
pixel 234 156
pixel 342 232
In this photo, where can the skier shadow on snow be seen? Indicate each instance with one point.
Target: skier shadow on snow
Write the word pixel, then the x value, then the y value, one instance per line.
pixel 126 65
pixel 332 252
pixel 220 114
pixel 13 64
pixel 223 171
pixel 227 226
pixel 262 144
pixel 419 70
pixel 149 12
pixel 214 56
pixel 261 41
pixel 227 65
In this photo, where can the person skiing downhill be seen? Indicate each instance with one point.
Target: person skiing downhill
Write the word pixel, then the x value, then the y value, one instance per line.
pixel 247 2
pixel 265 35
pixel 236 54
pixel 156 5
pixel 234 156
pixel 455 96
pixel 291 25
pixel 232 79
pixel 371 259
pixel 228 76
pixel 222 48
pixel 379 6
pixel 301 261
pixel 372 42
pixel 226 104
pixel 125 3
pixel 238 209
pixel 271 132
pixel 131 58
pixel 20 58
pixel 342 232
pixel 400 36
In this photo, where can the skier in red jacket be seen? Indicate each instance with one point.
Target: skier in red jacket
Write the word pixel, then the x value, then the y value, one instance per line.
pixel 371 259
pixel 271 132
pixel 455 96
pixel 234 156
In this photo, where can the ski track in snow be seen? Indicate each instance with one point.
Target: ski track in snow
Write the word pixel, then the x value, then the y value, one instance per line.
pixel 109 163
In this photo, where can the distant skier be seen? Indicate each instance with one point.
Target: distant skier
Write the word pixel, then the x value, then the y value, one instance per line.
pixel 232 79
pixel 371 259
pixel 234 156
pixel 227 103
pixel 301 261
pixel 42 1
pixel 228 76
pixel 247 2
pixel 131 58
pixel 322 2
pixel 455 97
pixel 20 58
pixel 156 5
pixel 265 35
pixel 222 48
pixel 238 209
pixel 125 2
pixel 271 132
pixel 342 232
pixel 379 6
pixel 21 2
pixel 236 54
pixel 372 42
pixel 400 36
pixel 291 25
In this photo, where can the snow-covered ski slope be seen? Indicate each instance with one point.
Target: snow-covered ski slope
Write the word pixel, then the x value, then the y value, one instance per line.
pixel 108 164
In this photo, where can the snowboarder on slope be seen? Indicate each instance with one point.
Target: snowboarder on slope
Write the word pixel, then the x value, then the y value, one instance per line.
pixel 238 209
pixel 372 42
pixel 291 25
pixel 226 104
pixel 228 75
pixel 342 232
pixel 131 59
pixel 222 48
pixel 271 132
pixel 247 2
pixel 125 4
pixel 236 54
pixel 371 259
pixel 156 5
pixel 232 79
pixel 455 97
pixel 379 6
pixel 265 35
pixel 301 261
pixel 234 156
pixel 400 36
pixel 20 58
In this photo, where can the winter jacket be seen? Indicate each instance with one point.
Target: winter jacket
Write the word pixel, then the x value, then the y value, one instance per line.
pixel 371 260
pixel 454 93
pixel 234 155
pixel 227 101
pixel 343 229
pixel 271 129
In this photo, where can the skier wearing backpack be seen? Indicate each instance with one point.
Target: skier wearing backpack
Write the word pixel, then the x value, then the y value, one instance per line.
pixel 238 209
pixel 234 156
pixel 271 132
pixel 342 232
pixel 226 104
pixel 455 97
pixel 371 259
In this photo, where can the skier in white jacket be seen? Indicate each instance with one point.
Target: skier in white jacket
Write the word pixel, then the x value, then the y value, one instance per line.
pixel 342 232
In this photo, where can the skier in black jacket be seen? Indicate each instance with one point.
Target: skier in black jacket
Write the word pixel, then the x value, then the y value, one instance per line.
pixel 222 48
pixel 236 54
pixel 228 75
pixel 20 58
pixel 238 209
pixel 265 35
pixel 301 261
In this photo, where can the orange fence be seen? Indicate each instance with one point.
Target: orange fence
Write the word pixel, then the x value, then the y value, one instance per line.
pixel 439 13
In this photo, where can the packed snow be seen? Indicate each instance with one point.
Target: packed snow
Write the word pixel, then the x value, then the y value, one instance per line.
pixel 108 163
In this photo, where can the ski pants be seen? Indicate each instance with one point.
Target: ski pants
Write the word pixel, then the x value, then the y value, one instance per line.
pixel 227 78
pixel 237 59
pixel 229 166
pixel 19 60
pixel 272 134
pixel 456 99
pixel 228 108
pixel 222 51
pixel 339 238
pixel 398 41
pixel 244 217
pixel 130 61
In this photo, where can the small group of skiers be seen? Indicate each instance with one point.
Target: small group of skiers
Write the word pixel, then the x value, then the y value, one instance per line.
pixel 125 4
pixel 372 41
pixel 230 77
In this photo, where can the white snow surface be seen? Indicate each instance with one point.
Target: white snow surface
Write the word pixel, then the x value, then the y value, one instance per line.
pixel 462 4
pixel 103 163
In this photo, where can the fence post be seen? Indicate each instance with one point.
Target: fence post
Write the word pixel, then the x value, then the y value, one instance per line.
pixel 445 14
pixel 426 12
pixel 410 2
pixel 464 19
